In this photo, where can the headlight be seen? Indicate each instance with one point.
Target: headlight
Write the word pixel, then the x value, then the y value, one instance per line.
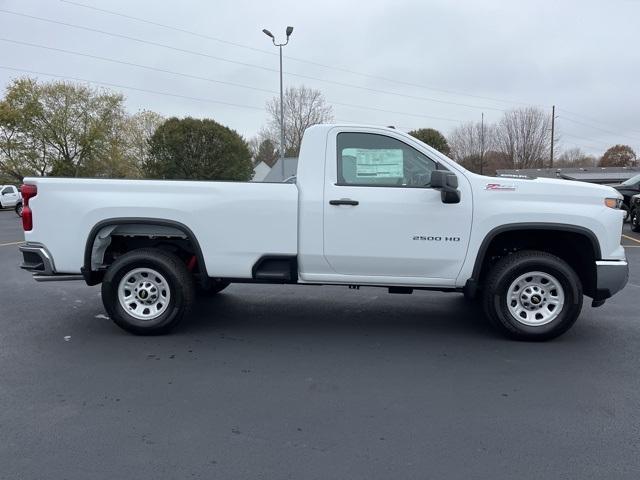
pixel 613 202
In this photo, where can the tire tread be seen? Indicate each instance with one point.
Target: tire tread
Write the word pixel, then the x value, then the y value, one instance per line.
pixel 499 270
pixel 167 260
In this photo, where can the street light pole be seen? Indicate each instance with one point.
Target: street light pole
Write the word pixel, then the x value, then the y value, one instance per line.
pixel 481 142
pixel 280 45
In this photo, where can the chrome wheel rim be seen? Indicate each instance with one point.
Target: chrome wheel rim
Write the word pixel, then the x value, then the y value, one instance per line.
pixel 535 298
pixel 144 294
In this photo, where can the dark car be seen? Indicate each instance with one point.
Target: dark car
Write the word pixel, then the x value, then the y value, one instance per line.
pixel 628 189
pixel 634 212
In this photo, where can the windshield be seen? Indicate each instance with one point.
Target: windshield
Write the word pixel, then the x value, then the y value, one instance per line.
pixel 632 180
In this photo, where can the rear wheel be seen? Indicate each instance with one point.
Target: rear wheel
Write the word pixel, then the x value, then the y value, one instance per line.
pixel 19 209
pixel 147 291
pixel 532 295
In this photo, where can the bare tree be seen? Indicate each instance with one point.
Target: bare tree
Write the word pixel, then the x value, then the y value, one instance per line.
pixel 303 107
pixel 524 135
pixel 575 157
pixel 254 146
pixel 470 143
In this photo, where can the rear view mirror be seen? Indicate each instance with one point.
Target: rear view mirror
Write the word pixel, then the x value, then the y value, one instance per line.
pixel 447 183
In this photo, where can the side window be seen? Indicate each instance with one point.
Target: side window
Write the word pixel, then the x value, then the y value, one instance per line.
pixel 378 160
pixel 7 190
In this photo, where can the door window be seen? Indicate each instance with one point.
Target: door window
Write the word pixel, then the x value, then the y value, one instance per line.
pixel 7 190
pixel 367 159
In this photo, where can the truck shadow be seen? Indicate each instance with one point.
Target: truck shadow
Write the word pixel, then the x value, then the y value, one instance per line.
pixel 298 310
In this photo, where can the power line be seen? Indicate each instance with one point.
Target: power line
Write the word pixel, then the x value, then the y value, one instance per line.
pixel 175 29
pixel 419 115
pixel 363 107
pixel 592 119
pixel 601 129
pixel 587 139
pixel 588 147
pixel 301 60
pixel 206 55
pixel 147 67
pixel 137 65
pixel 128 87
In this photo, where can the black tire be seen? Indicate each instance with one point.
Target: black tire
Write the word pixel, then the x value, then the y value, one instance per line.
pixel 625 209
pixel 19 209
pixel 214 287
pixel 511 267
pixel 635 220
pixel 177 276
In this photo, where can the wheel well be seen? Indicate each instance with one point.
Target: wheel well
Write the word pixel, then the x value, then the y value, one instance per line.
pixel 110 239
pixel 574 247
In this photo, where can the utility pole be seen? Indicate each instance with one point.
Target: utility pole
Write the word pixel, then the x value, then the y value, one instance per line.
pixel 280 45
pixel 481 142
pixel 553 124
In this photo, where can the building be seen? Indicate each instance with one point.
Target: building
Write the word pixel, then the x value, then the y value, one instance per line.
pixel 604 175
pixel 260 171
pixel 290 169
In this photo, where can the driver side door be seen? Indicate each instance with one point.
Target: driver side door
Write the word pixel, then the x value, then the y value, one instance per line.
pixel 382 220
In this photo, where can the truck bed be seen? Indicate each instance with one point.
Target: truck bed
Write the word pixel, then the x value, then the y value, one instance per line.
pixel 235 223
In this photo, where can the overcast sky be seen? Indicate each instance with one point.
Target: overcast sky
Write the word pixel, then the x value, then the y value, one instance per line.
pixel 427 63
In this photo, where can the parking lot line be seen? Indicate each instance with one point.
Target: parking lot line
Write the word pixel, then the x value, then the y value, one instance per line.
pixel 10 243
pixel 631 238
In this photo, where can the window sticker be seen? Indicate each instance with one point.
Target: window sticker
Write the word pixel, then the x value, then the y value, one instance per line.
pixel 378 163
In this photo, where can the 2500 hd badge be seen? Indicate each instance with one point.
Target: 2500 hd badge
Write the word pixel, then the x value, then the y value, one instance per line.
pixel 431 238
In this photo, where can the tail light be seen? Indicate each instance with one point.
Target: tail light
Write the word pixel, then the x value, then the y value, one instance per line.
pixel 28 192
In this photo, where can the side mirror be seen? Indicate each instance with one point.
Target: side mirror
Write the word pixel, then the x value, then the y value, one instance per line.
pixel 447 183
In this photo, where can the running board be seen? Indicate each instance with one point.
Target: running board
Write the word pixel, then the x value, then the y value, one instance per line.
pixel 57 278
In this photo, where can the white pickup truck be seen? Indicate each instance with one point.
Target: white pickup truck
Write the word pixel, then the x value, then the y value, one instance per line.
pixel 371 206
pixel 10 197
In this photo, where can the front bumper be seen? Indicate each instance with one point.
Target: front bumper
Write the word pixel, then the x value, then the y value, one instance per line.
pixel 611 277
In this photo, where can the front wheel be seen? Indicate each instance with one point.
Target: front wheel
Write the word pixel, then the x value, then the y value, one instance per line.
pixel 626 215
pixel 19 209
pixel 147 291
pixel 532 295
pixel 635 220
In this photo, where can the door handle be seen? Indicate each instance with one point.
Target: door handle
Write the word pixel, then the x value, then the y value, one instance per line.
pixel 344 201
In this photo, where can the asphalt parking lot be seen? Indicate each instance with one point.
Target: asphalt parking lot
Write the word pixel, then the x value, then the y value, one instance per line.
pixel 302 382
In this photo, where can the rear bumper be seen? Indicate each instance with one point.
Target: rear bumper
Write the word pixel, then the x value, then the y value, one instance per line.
pixel 611 277
pixel 37 260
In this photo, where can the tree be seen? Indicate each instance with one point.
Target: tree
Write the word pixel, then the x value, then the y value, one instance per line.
pixel 433 138
pixel 303 107
pixel 21 153
pixel 494 160
pixel 73 124
pixel 267 153
pixel 196 149
pixel 138 130
pixel 470 144
pixel 618 156
pixel 61 128
pixel 574 157
pixel 524 135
